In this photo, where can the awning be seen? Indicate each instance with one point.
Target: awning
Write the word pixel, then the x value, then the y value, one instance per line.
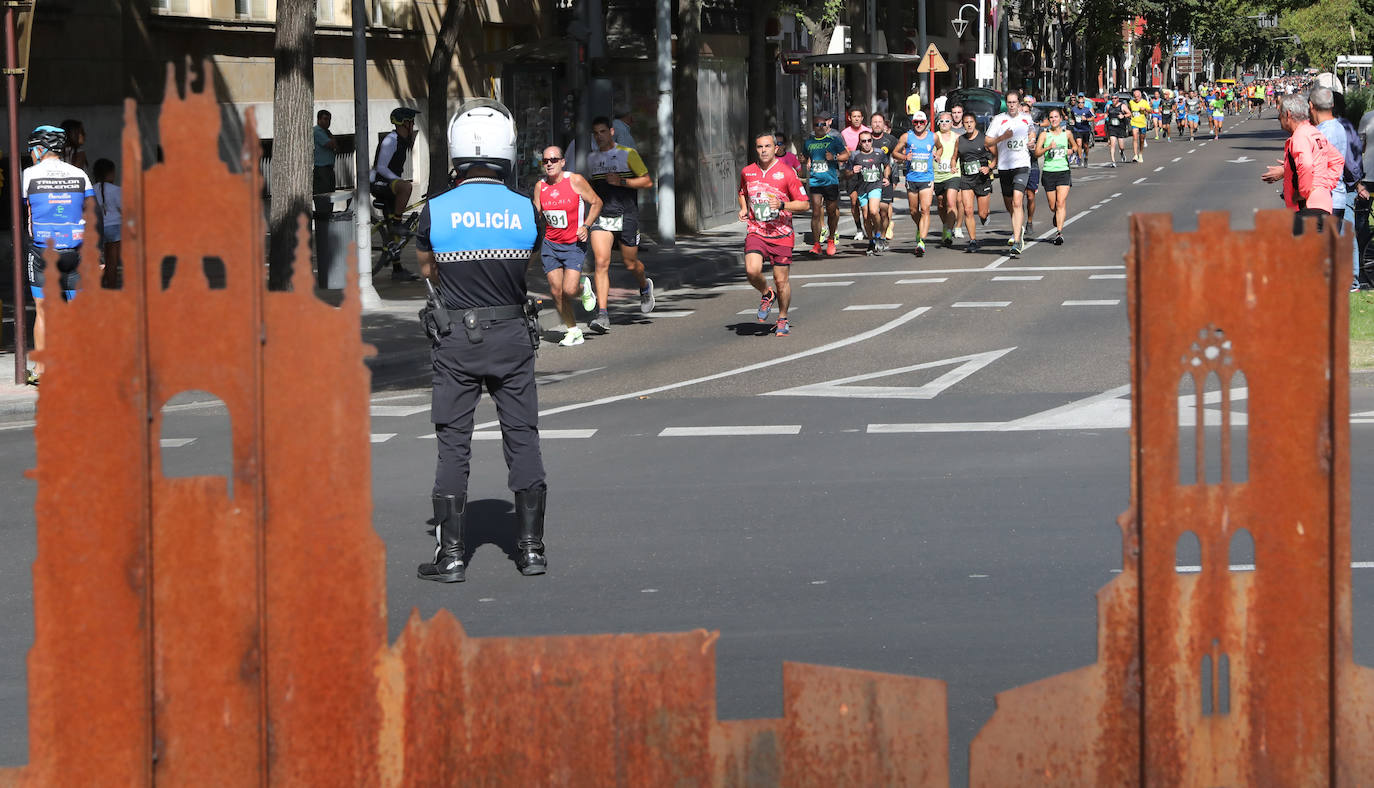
pixel 850 58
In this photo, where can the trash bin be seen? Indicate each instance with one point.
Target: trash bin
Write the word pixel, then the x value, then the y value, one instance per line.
pixel 333 233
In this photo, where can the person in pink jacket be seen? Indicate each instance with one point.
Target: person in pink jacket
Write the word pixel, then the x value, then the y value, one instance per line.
pixel 1311 166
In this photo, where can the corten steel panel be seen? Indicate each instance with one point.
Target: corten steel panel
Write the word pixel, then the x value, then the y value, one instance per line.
pixel 194 632
pixel 1281 702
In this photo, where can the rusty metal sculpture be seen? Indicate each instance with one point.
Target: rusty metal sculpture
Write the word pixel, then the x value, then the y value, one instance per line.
pixel 1219 674
pixel 178 640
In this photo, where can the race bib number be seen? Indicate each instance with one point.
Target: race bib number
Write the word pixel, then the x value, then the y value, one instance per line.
pixel 820 167
pixel 1054 154
pixel 971 167
pixel 871 174
pixel 556 219
pixel 920 165
pixel 612 224
pixel 942 166
pixel 1015 144
pixel 764 212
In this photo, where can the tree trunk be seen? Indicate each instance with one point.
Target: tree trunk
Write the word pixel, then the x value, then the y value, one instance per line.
pixel 685 157
pixel 758 69
pixel 436 82
pixel 292 138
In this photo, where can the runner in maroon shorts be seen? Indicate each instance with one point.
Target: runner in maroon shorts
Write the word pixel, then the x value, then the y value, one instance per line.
pixel 768 193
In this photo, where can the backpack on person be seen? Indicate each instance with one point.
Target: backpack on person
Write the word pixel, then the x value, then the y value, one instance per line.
pixel 1354 164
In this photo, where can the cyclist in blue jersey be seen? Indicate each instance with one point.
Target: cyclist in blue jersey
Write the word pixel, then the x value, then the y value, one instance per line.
pixel 58 196
pixel 917 149
pixel 823 154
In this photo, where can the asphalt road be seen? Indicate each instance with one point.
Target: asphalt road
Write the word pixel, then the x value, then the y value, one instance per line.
pixel 909 483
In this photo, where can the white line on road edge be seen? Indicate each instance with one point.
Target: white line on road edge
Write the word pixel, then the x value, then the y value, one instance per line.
pixel 550 434
pixel 828 284
pixel 175 443
pixel 896 322
pixel 932 281
pixel 1107 276
pixel 703 432
pixel 870 307
pixel 1102 302
pixel 1192 570
pixel 678 313
pixel 1137 180
pixel 397 410
pixel 382 437
pixel 1017 278
pixel 980 270
pixel 979 304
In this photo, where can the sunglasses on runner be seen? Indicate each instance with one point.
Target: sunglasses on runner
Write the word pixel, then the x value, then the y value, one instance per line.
pixel 554 160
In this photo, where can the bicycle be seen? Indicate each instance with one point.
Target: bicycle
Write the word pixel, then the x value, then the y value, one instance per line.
pixel 395 232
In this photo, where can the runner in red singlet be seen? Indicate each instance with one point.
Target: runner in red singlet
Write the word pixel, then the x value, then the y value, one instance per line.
pixel 566 205
pixel 768 193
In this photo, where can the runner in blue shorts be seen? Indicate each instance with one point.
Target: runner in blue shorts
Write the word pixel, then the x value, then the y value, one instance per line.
pixel 917 148
pixel 871 169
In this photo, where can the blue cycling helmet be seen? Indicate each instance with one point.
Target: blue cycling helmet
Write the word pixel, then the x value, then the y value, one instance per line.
pixel 52 138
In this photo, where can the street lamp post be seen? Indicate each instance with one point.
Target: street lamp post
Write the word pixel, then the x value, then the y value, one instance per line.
pixel 960 24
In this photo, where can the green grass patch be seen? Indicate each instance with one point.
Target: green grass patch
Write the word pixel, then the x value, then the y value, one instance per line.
pixel 1362 330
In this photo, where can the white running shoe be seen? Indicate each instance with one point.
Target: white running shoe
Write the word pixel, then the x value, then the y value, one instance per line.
pixel 572 337
pixel 958 232
pixel 646 296
pixel 859 236
pixel 588 297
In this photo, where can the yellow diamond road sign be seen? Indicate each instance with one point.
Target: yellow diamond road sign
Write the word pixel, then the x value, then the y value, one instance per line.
pixel 931 61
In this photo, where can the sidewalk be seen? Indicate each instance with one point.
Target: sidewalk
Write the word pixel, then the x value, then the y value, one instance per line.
pixel 402 359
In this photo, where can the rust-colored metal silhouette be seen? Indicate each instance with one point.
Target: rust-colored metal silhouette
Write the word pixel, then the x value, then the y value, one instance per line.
pixel 186 634
pixel 1227 672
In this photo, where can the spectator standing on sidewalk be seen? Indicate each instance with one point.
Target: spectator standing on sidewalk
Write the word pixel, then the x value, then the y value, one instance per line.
pixel 1362 195
pixel 1321 103
pixel 1310 167
pixel 325 148
pixel 109 204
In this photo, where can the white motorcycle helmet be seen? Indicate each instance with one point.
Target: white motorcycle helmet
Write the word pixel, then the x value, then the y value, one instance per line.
pixel 482 132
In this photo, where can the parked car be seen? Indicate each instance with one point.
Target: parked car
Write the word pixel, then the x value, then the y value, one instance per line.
pixel 982 103
pixel 1041 111
pixel 1099 118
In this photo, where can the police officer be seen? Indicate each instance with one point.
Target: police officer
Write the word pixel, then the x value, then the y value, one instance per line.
pixel 476 242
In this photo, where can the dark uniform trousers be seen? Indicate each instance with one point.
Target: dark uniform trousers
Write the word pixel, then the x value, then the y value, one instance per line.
pixel 503 363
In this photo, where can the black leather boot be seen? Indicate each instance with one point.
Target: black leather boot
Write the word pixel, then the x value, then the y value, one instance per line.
pixel 529 539
pixel 447 566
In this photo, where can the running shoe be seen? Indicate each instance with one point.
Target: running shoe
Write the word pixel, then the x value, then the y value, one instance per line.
pixel 31 377
pixel 825 234
pixel 859 236
pixel 890 228
pixel 766 304
pixel 1354 288
pixel 971 247
pixel 1014 250
pixel 1030 226
pixel 1113 165
pixel 601 323
pixel 1059 239
pixel 646 296
pixel 958 232
pixel 588 297
pixel 982 221
pixel 816 249
pixel 1021 247
pixel 572 337
pixel 830 248
pixel 946 239
pixel 872 248
pixel 782 329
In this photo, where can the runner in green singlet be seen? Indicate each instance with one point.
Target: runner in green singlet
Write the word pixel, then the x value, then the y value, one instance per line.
pixel 1053 146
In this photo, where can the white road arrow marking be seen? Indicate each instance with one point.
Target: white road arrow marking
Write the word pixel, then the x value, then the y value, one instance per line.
pixel 1241 160
pixel 840 387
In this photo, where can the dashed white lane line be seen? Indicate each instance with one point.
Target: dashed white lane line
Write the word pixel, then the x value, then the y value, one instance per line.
pixel 1137 180
pixel 1203 145
pixel 870 307
pixel 398 410
pixel 732 287
pixel 1017 278
pixel 748 429
pixel 677 313
pixel 1098 302
pixel 979 304
pixel 1186 569
pixel 1194 150
pixel 175 443
pixel 828 284
pixel 382 437
pixel 1107 276
pixel 1176 160
pixel 755 311
pixel 1159 169
pixel 1114 196
pixel 550 434
pixel 1099 205
pixel 896 322
pixel 934 280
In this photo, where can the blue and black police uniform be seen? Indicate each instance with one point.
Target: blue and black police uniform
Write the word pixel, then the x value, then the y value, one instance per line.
pixel 482 235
